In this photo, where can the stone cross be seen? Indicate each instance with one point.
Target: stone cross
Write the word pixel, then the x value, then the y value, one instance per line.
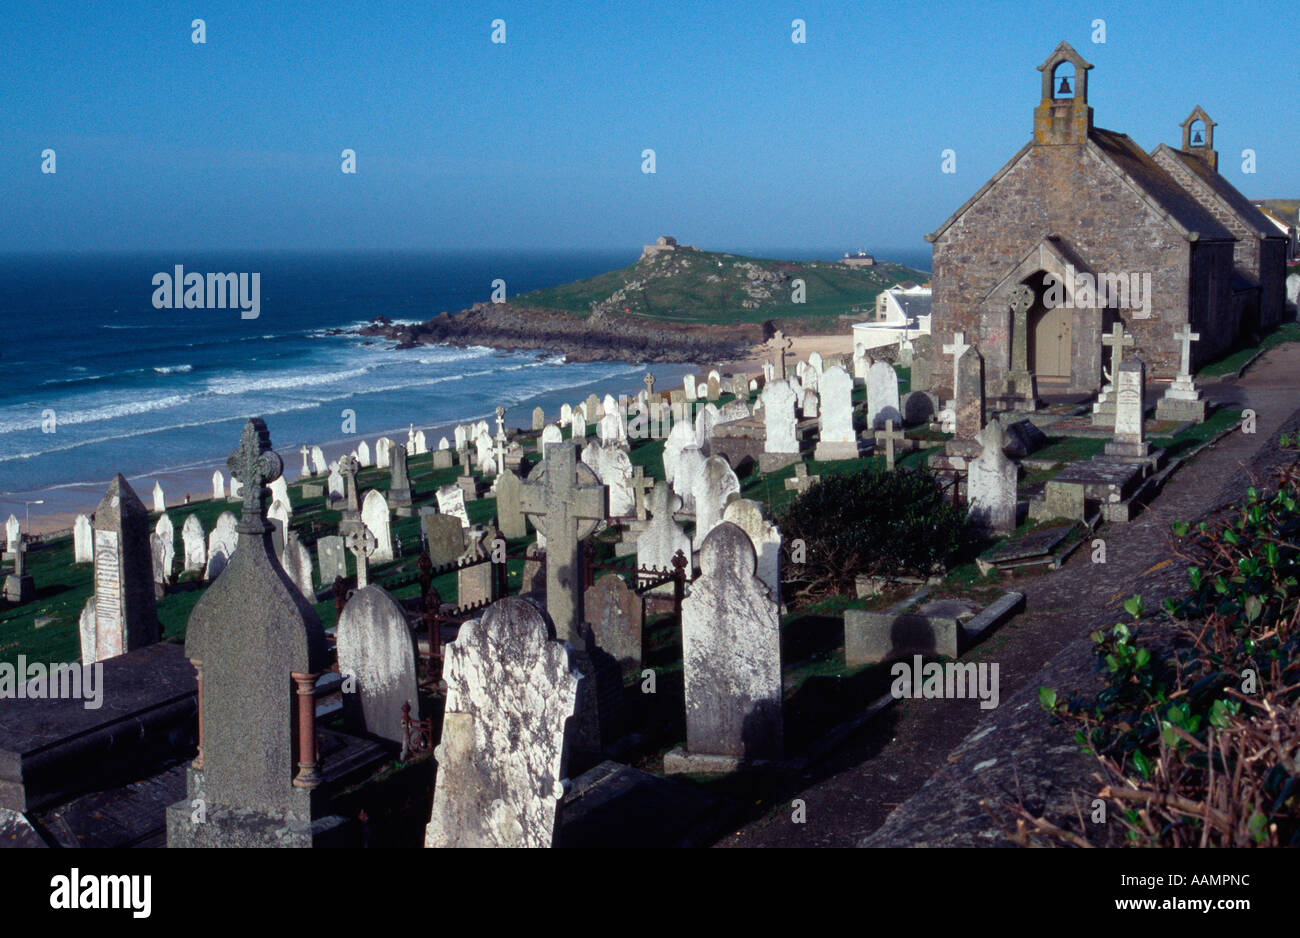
pixel 957 349
pixel 306 467
pixel 565 507
pixel 1185 337
pixel 501 423
pixel 649 382
pixel 889 436
pixel 349 466
pixel 1117 341
pixel 1022 387
pixel 779 345
pixel 641 484
pixel 362 543
pixel 802 481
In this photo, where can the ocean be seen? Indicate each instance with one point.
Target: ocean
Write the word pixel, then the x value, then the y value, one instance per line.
pixel 97 381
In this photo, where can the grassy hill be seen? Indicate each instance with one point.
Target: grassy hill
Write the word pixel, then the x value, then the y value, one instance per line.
pixel 709 288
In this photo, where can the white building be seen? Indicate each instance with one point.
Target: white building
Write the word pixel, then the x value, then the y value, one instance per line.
pixel 901 312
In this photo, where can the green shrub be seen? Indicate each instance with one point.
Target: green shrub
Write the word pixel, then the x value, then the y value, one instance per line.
pixel 875 522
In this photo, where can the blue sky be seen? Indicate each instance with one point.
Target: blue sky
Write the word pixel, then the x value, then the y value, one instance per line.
pixel 536 143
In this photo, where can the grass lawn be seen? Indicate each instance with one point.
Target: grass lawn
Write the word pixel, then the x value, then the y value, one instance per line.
pixel 1286 332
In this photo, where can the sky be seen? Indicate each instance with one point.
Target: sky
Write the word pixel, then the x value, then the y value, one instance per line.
pixel 536 143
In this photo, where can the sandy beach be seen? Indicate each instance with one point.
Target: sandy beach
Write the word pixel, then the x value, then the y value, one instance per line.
pixel 802 346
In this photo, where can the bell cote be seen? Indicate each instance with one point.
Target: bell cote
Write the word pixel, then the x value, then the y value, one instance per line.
pixel 1063 117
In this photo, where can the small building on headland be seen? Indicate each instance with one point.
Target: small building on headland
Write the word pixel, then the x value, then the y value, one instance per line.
pixel 858 259
pixel 664 243
pixel 1088 230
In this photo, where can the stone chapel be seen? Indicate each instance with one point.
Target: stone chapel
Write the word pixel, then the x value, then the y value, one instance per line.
pixel 1083 229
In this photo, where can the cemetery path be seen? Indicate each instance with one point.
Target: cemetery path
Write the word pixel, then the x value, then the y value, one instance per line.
pixel 850 793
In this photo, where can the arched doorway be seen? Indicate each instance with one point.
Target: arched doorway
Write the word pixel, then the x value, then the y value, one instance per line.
pixel 1050 334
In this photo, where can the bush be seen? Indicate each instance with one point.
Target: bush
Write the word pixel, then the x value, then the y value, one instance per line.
pixel 875 522
pixel 1198 732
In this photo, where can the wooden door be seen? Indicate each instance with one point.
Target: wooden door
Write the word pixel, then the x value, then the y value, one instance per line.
pixel 1051 343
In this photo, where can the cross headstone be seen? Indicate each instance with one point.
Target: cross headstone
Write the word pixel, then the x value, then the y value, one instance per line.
pixel 1022 386
pixel 649 382
pixel 362 544
pixel 1117 340
pixel 258 647
pixel 780 344
pixel 641 484
pixel 566 502
pixel 663 537
pixel 957 348
pixel 1184 336
pixel 801 481
pixel 306 466
pixel 1182 400
pixel 889 436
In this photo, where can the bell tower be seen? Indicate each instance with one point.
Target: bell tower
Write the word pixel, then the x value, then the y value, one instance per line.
pixel 1198 137
pixel 1063 117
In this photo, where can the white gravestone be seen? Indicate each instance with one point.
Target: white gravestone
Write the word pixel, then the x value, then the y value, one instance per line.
pixel 375 515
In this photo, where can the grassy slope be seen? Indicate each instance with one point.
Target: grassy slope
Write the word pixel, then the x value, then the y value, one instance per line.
pixel 677 287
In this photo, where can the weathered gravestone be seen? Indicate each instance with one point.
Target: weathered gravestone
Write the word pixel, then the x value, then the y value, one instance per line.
pixel 539 418
pixel 278 516
pixel 451 501
pixel 502 759
pixel 194 543
pixel 918 408
pixel 991 484
pixel 882 395
pixel 375 516
pixel 258 648
pixel 615 613
pixel 83 540
pixel 221 544
pixel 125 614
pixel 747 515
pixel 399 488
pixel 477 583
pixel 510 518
pixel 731 661
pixel 1129 443
pixel 780 445
pixel 218 485
pixel 613 467
pixel 837 438
pixel 376 652
pixel 663 537
pixel 296 561
pixel 714 485
pixel 444 537
pixel 332 557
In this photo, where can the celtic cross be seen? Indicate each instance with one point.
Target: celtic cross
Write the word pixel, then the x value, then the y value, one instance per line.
pixel 255 465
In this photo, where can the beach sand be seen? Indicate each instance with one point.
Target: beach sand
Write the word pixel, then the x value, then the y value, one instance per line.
pixel 802 347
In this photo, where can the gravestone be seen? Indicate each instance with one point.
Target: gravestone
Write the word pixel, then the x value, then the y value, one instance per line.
pixel 837 438
pixel 731 661
pixel 159 502
pixel 991 484
pixel 1129 443
pixel 705 420
pixel 167 535
pixel 970 394
pixel 280 493
pixel 663 537
pixel 218 485
pixel 360 543
pixel 399 486
pixel 888 437
pixel 502 759
pixel 451 501
pixel 551 434
pixel 332 558
pixel 442 458
pixel 376 649
pixel 83 540
pixel 566 414
pixel 1182 401
pixel 318 461
pixel 335 484
pixel 235 492
pixel 125 616
pixel 615 613
pixel 747 515
pixel 296 561
pixel 613 467
pixel 363 455
pixel 810 404
pixel 690 464
pixel 305 452
pixel 882 395
pixel 258 647
pixel 444 537
pixel 478 583
pixel 801 481
pixel 680 436
pixel 713 486
pixel 577 426
pixel 221 544
pixel 278 516
pixel 918 408
pixel 383 453
pixel 592 410
pixel 510 518
pixel 780 445
pixel 485 460
pixel 375 516
pixel 539 418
